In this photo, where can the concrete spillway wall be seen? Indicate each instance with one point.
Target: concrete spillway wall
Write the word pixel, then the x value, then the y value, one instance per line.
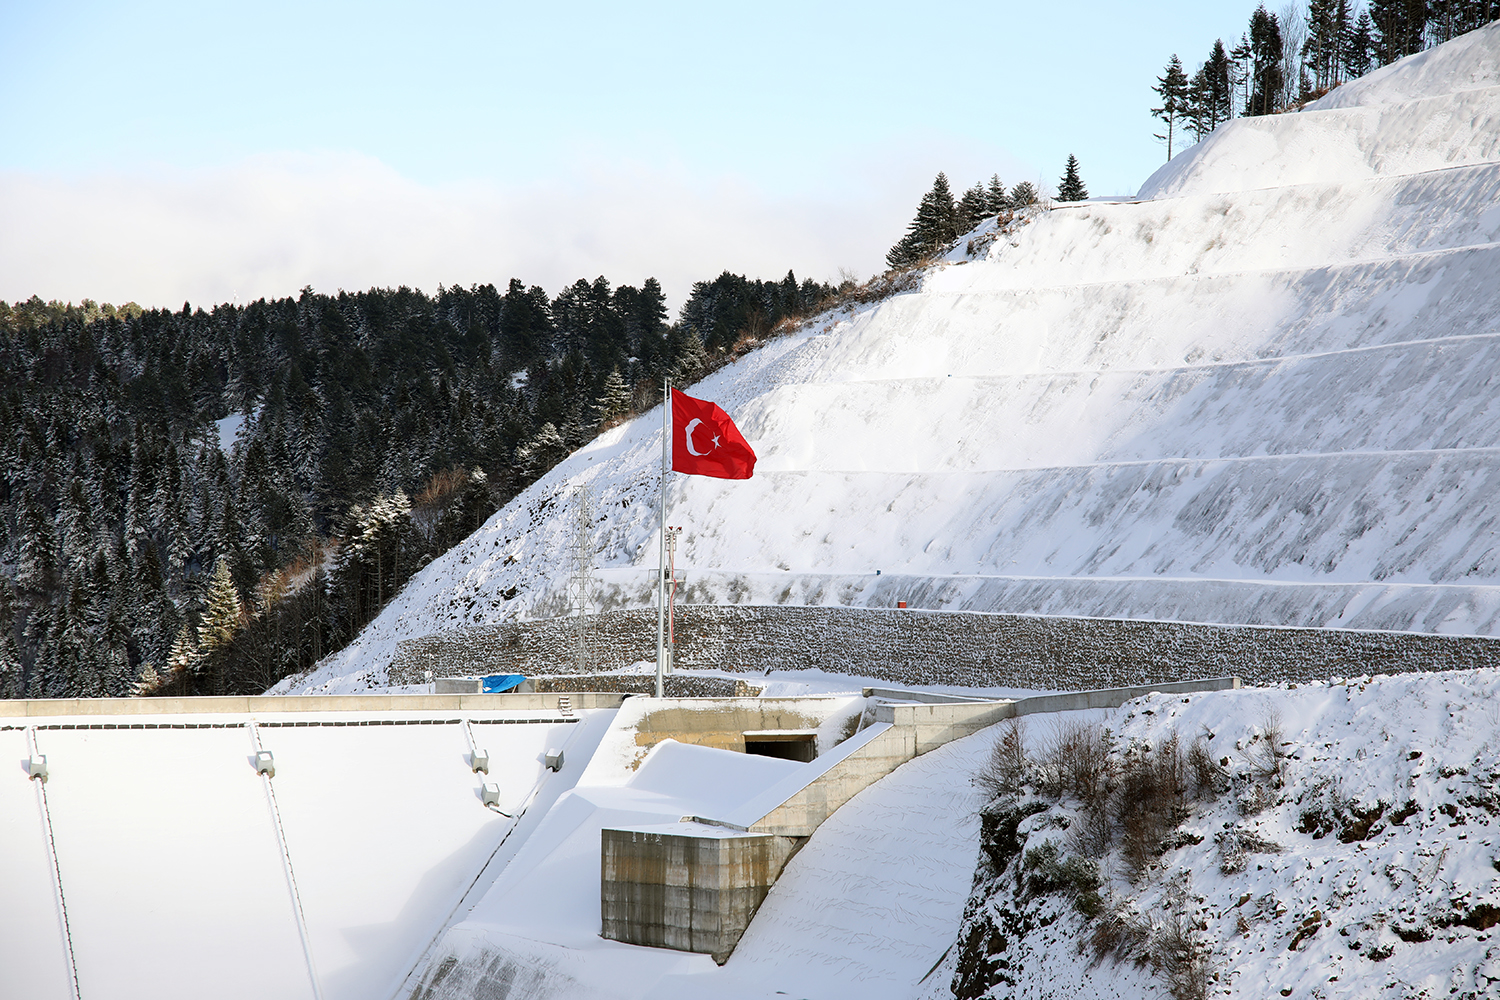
pixel 696 885
pixel 927 647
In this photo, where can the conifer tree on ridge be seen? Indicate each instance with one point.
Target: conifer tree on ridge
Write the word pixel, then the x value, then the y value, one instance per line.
pixel 1173 88
pixel 936 224
pixel 1071 188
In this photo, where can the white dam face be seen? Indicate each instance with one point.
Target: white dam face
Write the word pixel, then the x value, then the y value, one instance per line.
pixel 157 862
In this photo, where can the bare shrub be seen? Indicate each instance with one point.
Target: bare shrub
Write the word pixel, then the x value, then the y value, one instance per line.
pixel 1237 844
pixel 1182 959
pixel 1266 753
pixel 1095 832
pixel 1008 768
pixel 1120 936
pixel 1153 792
pixel 1079 762
pixel 1210 779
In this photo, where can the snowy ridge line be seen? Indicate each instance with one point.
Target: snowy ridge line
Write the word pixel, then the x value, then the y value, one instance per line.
pixel 1162 369
pixel 1467 588
pixel 1382 175
pixel 1135 462
pixel 1212 275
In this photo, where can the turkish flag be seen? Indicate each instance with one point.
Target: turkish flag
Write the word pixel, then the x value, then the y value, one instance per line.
pixel 705 441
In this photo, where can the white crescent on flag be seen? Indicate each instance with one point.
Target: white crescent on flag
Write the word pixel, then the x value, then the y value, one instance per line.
pixel 688 435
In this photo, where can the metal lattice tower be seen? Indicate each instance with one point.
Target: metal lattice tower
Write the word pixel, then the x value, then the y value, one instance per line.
pixel 581 581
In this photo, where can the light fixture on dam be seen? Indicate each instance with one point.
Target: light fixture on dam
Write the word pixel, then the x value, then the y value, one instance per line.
pixel 265 763
pixel 36 767
pixel 554 760
pixel 490 794
pixel 480 761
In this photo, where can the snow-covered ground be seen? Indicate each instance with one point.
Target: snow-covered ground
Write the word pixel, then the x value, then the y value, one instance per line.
pixel 866 908
pixel 1263 393
pixel 1370 872
pixel 1274 375
pixel 401 876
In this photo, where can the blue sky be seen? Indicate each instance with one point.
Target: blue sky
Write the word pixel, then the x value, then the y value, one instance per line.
pixel 157 151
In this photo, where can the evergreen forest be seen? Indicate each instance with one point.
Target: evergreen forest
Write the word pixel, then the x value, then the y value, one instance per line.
pixel 142 551
pixel 1288 57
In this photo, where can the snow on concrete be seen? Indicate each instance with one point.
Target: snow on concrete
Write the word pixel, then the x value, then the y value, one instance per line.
pixel 33 933
pixel 170 846
pixel 869 904
pixel 169 838
pixel 1275 369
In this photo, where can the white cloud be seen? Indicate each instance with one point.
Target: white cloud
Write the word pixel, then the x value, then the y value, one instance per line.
pixel 270 225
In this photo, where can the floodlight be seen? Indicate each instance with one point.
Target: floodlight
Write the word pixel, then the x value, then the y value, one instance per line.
pixel 265 763
pixel 554 760
pixel 490 794
pixel 36 767
pixel 480 761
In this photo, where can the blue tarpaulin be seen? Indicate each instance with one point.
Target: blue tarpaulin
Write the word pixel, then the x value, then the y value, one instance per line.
pixel 499 683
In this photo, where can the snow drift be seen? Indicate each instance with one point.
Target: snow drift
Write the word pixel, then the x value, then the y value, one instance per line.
pixel 1276 370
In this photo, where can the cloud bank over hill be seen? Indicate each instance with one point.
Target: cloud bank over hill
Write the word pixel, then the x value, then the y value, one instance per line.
pixel 269 225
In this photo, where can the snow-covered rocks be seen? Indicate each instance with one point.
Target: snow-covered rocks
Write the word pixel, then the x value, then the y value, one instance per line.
pixel 1364 866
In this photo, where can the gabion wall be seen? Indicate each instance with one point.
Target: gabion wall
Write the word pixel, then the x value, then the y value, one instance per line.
pixel 931 647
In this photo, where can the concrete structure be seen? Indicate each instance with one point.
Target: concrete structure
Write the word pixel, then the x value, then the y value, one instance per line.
pixel 723 722
pixel 651 876
pixel 300 848
pixel 688 886
pixel 261 704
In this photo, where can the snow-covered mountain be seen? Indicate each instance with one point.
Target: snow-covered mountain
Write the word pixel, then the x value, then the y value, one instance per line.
pixel 1265 392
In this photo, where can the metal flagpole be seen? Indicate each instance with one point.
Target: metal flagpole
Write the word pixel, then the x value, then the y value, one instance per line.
pixel 661 565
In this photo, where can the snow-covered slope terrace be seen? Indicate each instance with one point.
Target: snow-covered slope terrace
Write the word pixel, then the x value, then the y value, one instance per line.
pixel 1277 370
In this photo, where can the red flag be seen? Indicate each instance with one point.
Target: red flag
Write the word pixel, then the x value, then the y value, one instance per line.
pixel 705 441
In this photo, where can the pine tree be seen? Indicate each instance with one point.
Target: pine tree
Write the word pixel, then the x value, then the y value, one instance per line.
pixel 467 514
pixel 1212 92
pixel 1172 87
pixel 973 207
pixel 147 682
pixel 935 226
pixel 36 558
pixel 11 682
pixel 1266 55
pixel 1359 46
pixel 1324 34
pixel 1400 28
pixel 995 196
pixel 1071 187
pixel 185 661
pixel 223 614
pixel 1023 195
pixel 1241 76
pixel 542 450
pixel 614 400
pixel 689 359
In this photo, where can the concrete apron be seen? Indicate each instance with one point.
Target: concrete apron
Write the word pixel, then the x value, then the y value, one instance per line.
pixel 696 885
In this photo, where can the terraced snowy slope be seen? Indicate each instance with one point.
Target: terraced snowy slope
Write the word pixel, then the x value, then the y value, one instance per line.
pixel 1264 393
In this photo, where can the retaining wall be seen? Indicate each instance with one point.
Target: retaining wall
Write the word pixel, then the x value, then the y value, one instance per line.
pixel 241 705
pixel 944 647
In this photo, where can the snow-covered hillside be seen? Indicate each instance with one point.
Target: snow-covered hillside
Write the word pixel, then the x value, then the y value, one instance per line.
pixel 1364 868
pixel 1273 377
